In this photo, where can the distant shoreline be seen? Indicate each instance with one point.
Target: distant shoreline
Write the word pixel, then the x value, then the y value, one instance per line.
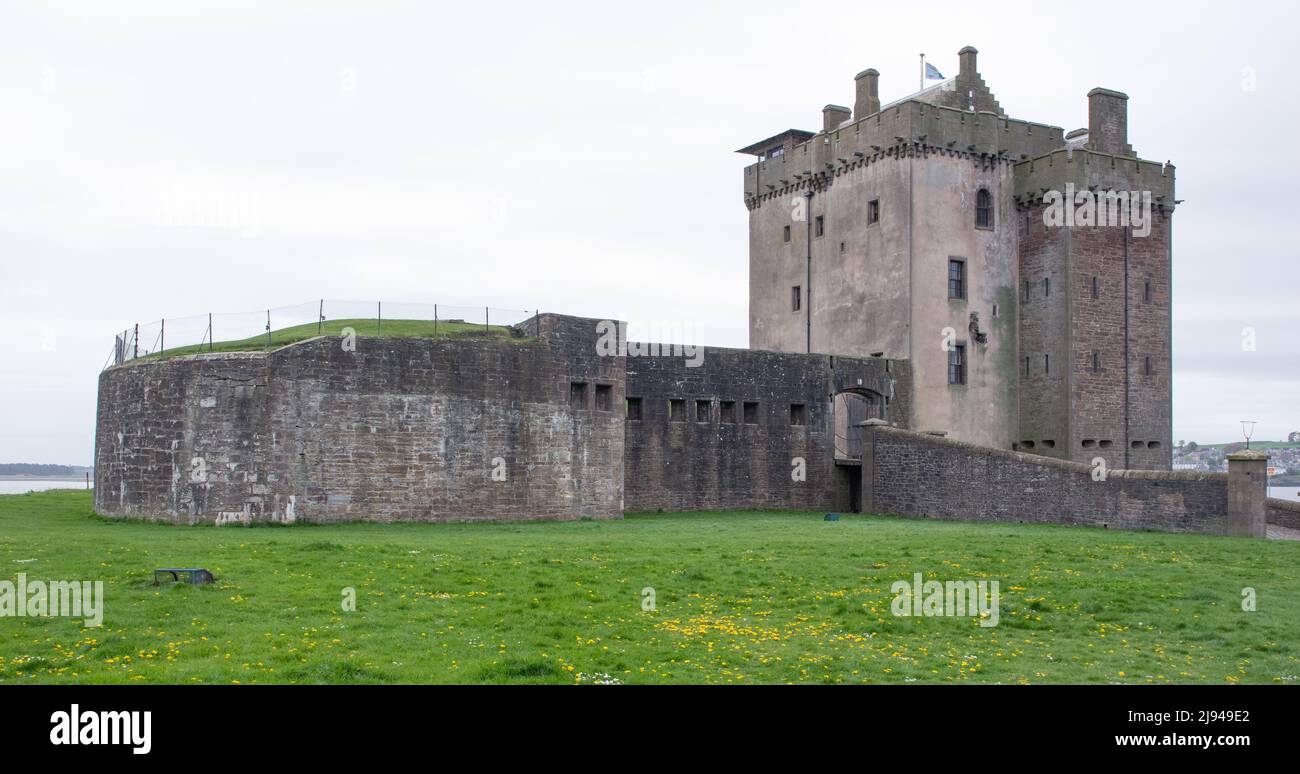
pixel 77 478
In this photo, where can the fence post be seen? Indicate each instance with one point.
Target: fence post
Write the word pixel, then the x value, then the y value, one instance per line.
pixel 379 329
pixel 487 323
pixel 268 328
pixel 209 331
pixel 435 321
pixel 320 317
pixel 162 336
pixel 135 346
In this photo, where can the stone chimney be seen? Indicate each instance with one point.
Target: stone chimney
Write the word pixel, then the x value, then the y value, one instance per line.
pixel 833 116
pixel 968 69
pixel 1108 122
pixel 868 95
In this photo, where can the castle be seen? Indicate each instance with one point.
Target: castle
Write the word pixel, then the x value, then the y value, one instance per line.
pixel 916 231
pixel 942 300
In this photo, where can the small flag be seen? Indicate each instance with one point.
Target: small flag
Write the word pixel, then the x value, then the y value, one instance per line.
pixel 932 73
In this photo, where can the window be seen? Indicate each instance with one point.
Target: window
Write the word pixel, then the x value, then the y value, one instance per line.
pixel 703 411
pixel 798 415
pixel 841 247
pixel 1026 290
pixel 1096 362
pixel 1136 445
pixel 1105 444
pixel 727 410
pixel 1096 290
pixel 956 278
pixel 1153 444
pixel 819 226
pixel 785 234
pixel 1047 364
pixel 1146 366
pixel 604 397
pixel 751 413
pixel 1146 291
pixel 995 310
pixel 1047 286
pixel 676 410
pixel 957 364
pixel 633 406
pixel 1049 444
pixel 983 209
pixel 1027 444
pixel 796 298
pixel 873 212
pixel 1026 365
pixel 776 152
pixel 1089 443
pixel 578 395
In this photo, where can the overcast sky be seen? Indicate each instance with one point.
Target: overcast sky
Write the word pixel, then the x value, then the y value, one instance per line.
pixel 161 159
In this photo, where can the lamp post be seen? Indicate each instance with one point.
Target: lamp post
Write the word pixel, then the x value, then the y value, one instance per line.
pixel 1248 430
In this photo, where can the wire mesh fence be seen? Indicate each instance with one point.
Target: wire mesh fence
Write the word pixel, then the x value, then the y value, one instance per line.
pixel 270 328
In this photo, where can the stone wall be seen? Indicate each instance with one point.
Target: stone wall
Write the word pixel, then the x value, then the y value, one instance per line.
pixel 396 429
pixel 720 459
pixel 1283 513
pixel 912 474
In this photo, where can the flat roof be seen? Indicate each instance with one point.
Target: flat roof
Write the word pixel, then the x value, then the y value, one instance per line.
pixel 763 146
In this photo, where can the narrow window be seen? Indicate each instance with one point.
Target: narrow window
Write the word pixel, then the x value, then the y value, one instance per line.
pixel 578 395
pixel 604 397
pixel 798 415
pixel 1047 286
pixel 1096 362
pixel 1146 291
pixel 751 413
pixel 1096 291
pixel 873 211
pixel 1047 364
pixel 1153 444
pixel 841 247
pixel 727 410
pixel 1026 365
pixel 1049 444
pixel 1146 365
pixel 633 406
pixel 956 278
pixel 703 411
pixel 957 364
pixel 1136 445
pixel 785 233
pixel 983 209
pixel 796 298
pixel 676 410
pixel 995 310
pixel 1105 444
pixel 819 226
pixel 1089 443
pixel 1026 290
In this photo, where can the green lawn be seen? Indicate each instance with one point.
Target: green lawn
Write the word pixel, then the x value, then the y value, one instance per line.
pixel 363 327
pixel 740 597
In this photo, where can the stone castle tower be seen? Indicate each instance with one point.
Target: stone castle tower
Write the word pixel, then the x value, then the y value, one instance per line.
pixel 936 229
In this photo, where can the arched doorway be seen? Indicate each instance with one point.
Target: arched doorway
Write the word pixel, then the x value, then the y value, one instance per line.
pixel 849 409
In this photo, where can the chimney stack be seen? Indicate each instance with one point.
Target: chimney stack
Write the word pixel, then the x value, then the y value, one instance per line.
pixel 967 58
pixel 1108 122
pixel 833 116
pixel 868 94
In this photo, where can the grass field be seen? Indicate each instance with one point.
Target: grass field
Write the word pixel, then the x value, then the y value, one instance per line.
pixel 363 327
pixel 740 598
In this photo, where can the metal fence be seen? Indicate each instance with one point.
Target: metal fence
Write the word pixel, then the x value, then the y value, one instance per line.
pixel 266 328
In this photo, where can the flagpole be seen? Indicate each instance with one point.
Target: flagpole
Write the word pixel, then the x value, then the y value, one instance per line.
pixel 920 84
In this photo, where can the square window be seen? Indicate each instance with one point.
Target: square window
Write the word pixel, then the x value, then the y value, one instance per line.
pixel 676 410
pixel 604 397
pixel 873 212
pixel 798 414
pixel 957 364
pixel 577 395
pixel 819 226
pixel 703 411
pixel 727 410
pixel 956 278
pixel 796 298
pixel 750 409
pixel 633 409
